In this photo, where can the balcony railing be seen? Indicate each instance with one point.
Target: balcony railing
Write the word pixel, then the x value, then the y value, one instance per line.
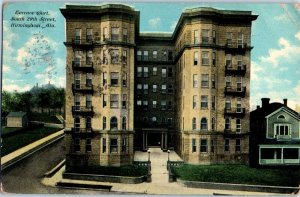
pixel 235 91
pixel 82 132
pixel 87 42
pixel 82 110
pixel 236 48
pixel 235 112
pixel 85 66
pixel 83 88
pixel 283 137
pixel 232 133
pixel 237 70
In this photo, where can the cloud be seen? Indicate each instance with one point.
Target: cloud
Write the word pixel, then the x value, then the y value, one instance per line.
pixel 15 87
pixel 173 25
pixel 5 68
pixel 281 18
pixel 298 35
pixel 255 69
pixel 297 6
pixel 154 23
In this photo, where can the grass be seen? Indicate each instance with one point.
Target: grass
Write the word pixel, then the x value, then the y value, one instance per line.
pixel 5 130
pixel 22 138
pixel 129 170
pixel 44 117
pixel 239 174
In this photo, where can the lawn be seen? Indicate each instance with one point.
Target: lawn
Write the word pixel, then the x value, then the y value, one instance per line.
pixel 5 130
pixel 44 117
pixel 24 137
pixel 240 174
pixel 129 170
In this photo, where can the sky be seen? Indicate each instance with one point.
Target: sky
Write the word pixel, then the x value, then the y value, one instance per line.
pixel 275 58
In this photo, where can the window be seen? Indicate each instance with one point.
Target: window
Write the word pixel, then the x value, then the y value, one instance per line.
pixel 88 123
pixel 103 145
pixel 170 72
pixel 281 117
pixel 227 123
pixel 154 119
pixel 104 123
pixel 203 145
pixel 163 88
pixel 196 54
pixel 145 71
pixel 239 105
pixel 88 145
pixel 238 125
pixel 169 105
pixel 214 36
pixel 213 102
pixel 163 72
pixel 154 88
pixel 77 59
pixel 89 35
pixel 139 88
pixel 115 34
pixel 229 38
pixel 239 84
pixel 195 81
pixel 154 104
pixel 89 57
pixel 113 145
pixel 88 100
pixel 228 81
pixel 194 148
pixel 226 145
pixel 154 55
pixel 240 39
pixel 145 56
pixel 124 145
pixel 124 123
pixel 77 124
pixel 154 72
pixel 196 37
pixel 205 59
pixel 145 104
pixel 104 77
pixel 212 146
pixel 124 100
pixel 145 88
pixel 77 144
pixel 205 37
pixel 213 81
pixel 114 101
pixel 163 105
pixel 105 34
pixel 77 102
pixel 113 123
pixel 194 101
pixel 170 56
pixel 204 124
pixel 213 59
pixel 125 35
pixel 164 56
pixel 114 79
pixel 114 56
pixel 282 129
pixel 227 103
pixel 228 60
pixel 88 80
pixel 239 62
pixel 194 124
pixel 139 55
pixel 139 103
pixel 139 72
pixel 104 100
pixel 77 36
pixel 124 57
pixel 213 123
pixel 77 81
pixel 124 79
pixel 237 145
pixel 204 102
pixel 204 80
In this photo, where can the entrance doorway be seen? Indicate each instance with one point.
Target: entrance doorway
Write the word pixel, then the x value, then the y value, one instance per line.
pixel 154 139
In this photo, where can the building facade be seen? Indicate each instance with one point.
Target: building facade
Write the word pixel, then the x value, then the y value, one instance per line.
pixel 187 90
pixel 275 135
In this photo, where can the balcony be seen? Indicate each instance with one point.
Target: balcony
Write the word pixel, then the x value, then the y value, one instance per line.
pixel 236 48
pixel 85 43
pixel 237 70
pixel 83 88
pixel 235 91
pixel 233 133
pixel 83 66
pixel 82 110
pixel 82 132
pixel 283 137
pixel 235 112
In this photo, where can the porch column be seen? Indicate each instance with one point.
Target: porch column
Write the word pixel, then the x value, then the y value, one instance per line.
pixel 281 155
pixel 259 155
pixel 166 140
pixel 162 141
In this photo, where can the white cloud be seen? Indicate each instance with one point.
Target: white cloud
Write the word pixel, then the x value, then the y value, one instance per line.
pixel 15 87
pixel 5 68
pixel 298 35
pixel 281 18
pixel 154 22
pixel 297 6
pixel 173 25
pixel 255 70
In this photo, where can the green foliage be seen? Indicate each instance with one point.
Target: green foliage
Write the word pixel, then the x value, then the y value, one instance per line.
pixel 43 117
pixel 239 174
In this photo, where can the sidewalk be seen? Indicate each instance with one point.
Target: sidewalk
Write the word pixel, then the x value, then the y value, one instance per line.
pixel 22 152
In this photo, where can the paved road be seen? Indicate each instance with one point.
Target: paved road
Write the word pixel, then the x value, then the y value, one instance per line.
pixel 25 177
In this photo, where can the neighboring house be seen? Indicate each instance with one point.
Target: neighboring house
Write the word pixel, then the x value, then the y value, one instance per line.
pixel 17 119
pixel 275 135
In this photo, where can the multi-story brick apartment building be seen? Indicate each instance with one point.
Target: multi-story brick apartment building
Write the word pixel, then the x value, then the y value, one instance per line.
pixel 187 90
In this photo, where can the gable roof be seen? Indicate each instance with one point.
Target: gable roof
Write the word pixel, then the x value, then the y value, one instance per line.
pixel 16 114
pixel 287 110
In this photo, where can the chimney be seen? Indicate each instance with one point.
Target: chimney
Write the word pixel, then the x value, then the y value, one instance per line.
pixel 265 102
pixel 285 102
pixel 257 107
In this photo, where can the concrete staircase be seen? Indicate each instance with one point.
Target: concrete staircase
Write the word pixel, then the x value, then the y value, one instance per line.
pixel 159 166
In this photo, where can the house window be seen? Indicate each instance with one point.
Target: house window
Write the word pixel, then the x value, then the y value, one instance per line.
pixel 240 39
pixel 194 101
pixel 163 105
pixel 125 34
pixel 204 80
pixel 154 55
pixel 164 72
pixel 139 55
pixel 213 102
pixel 113 145
pixel 196 37
pixel 196 55
pixel 113 123
pixel 204 102
pixel 88 100
pixel 145 104
pixel 281 117
pixel 104 123
pixel 205 37
pixel 237 145
pixel 238 125
pixel 239 84
pixel 145 56
pixel 282 129
pixel 124 145
pixel 124 79
pixel 104 100
pixel 194 148
pixel 228 60
pixel 89 35
pixel 88 145
pixel 194 124
pixel 145 89
pixel 89 57
pixel 114 101
pixel 154 71
pixel 145 71
pixel 124 101
pixel 170 72
pixel 226 145
pixel 195 81
pixel 204 124
pixel 213 59
pixel 205 59
pixel 77 124
pixel 214 36
pixel 124 123
pixel 139 88
pixel 103 145
pixel 213 81
pixel 203 145
pixel 228 81
pixel 163 88
pixel 227 124
pixel 114 33
pixel 139 72
pixel 88 80
pixel 77 36
pixel 124 57
pixel 213 123
pixel 239 105
pixel 227 103
pixel 154 104
pixel 77 144
pixel 229 38
pixel 154 88
pixel 114 79
pixel 105 34
pixel 104 77
pixel 212 146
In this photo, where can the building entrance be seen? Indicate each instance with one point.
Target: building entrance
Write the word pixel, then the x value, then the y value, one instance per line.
pixel 154 139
